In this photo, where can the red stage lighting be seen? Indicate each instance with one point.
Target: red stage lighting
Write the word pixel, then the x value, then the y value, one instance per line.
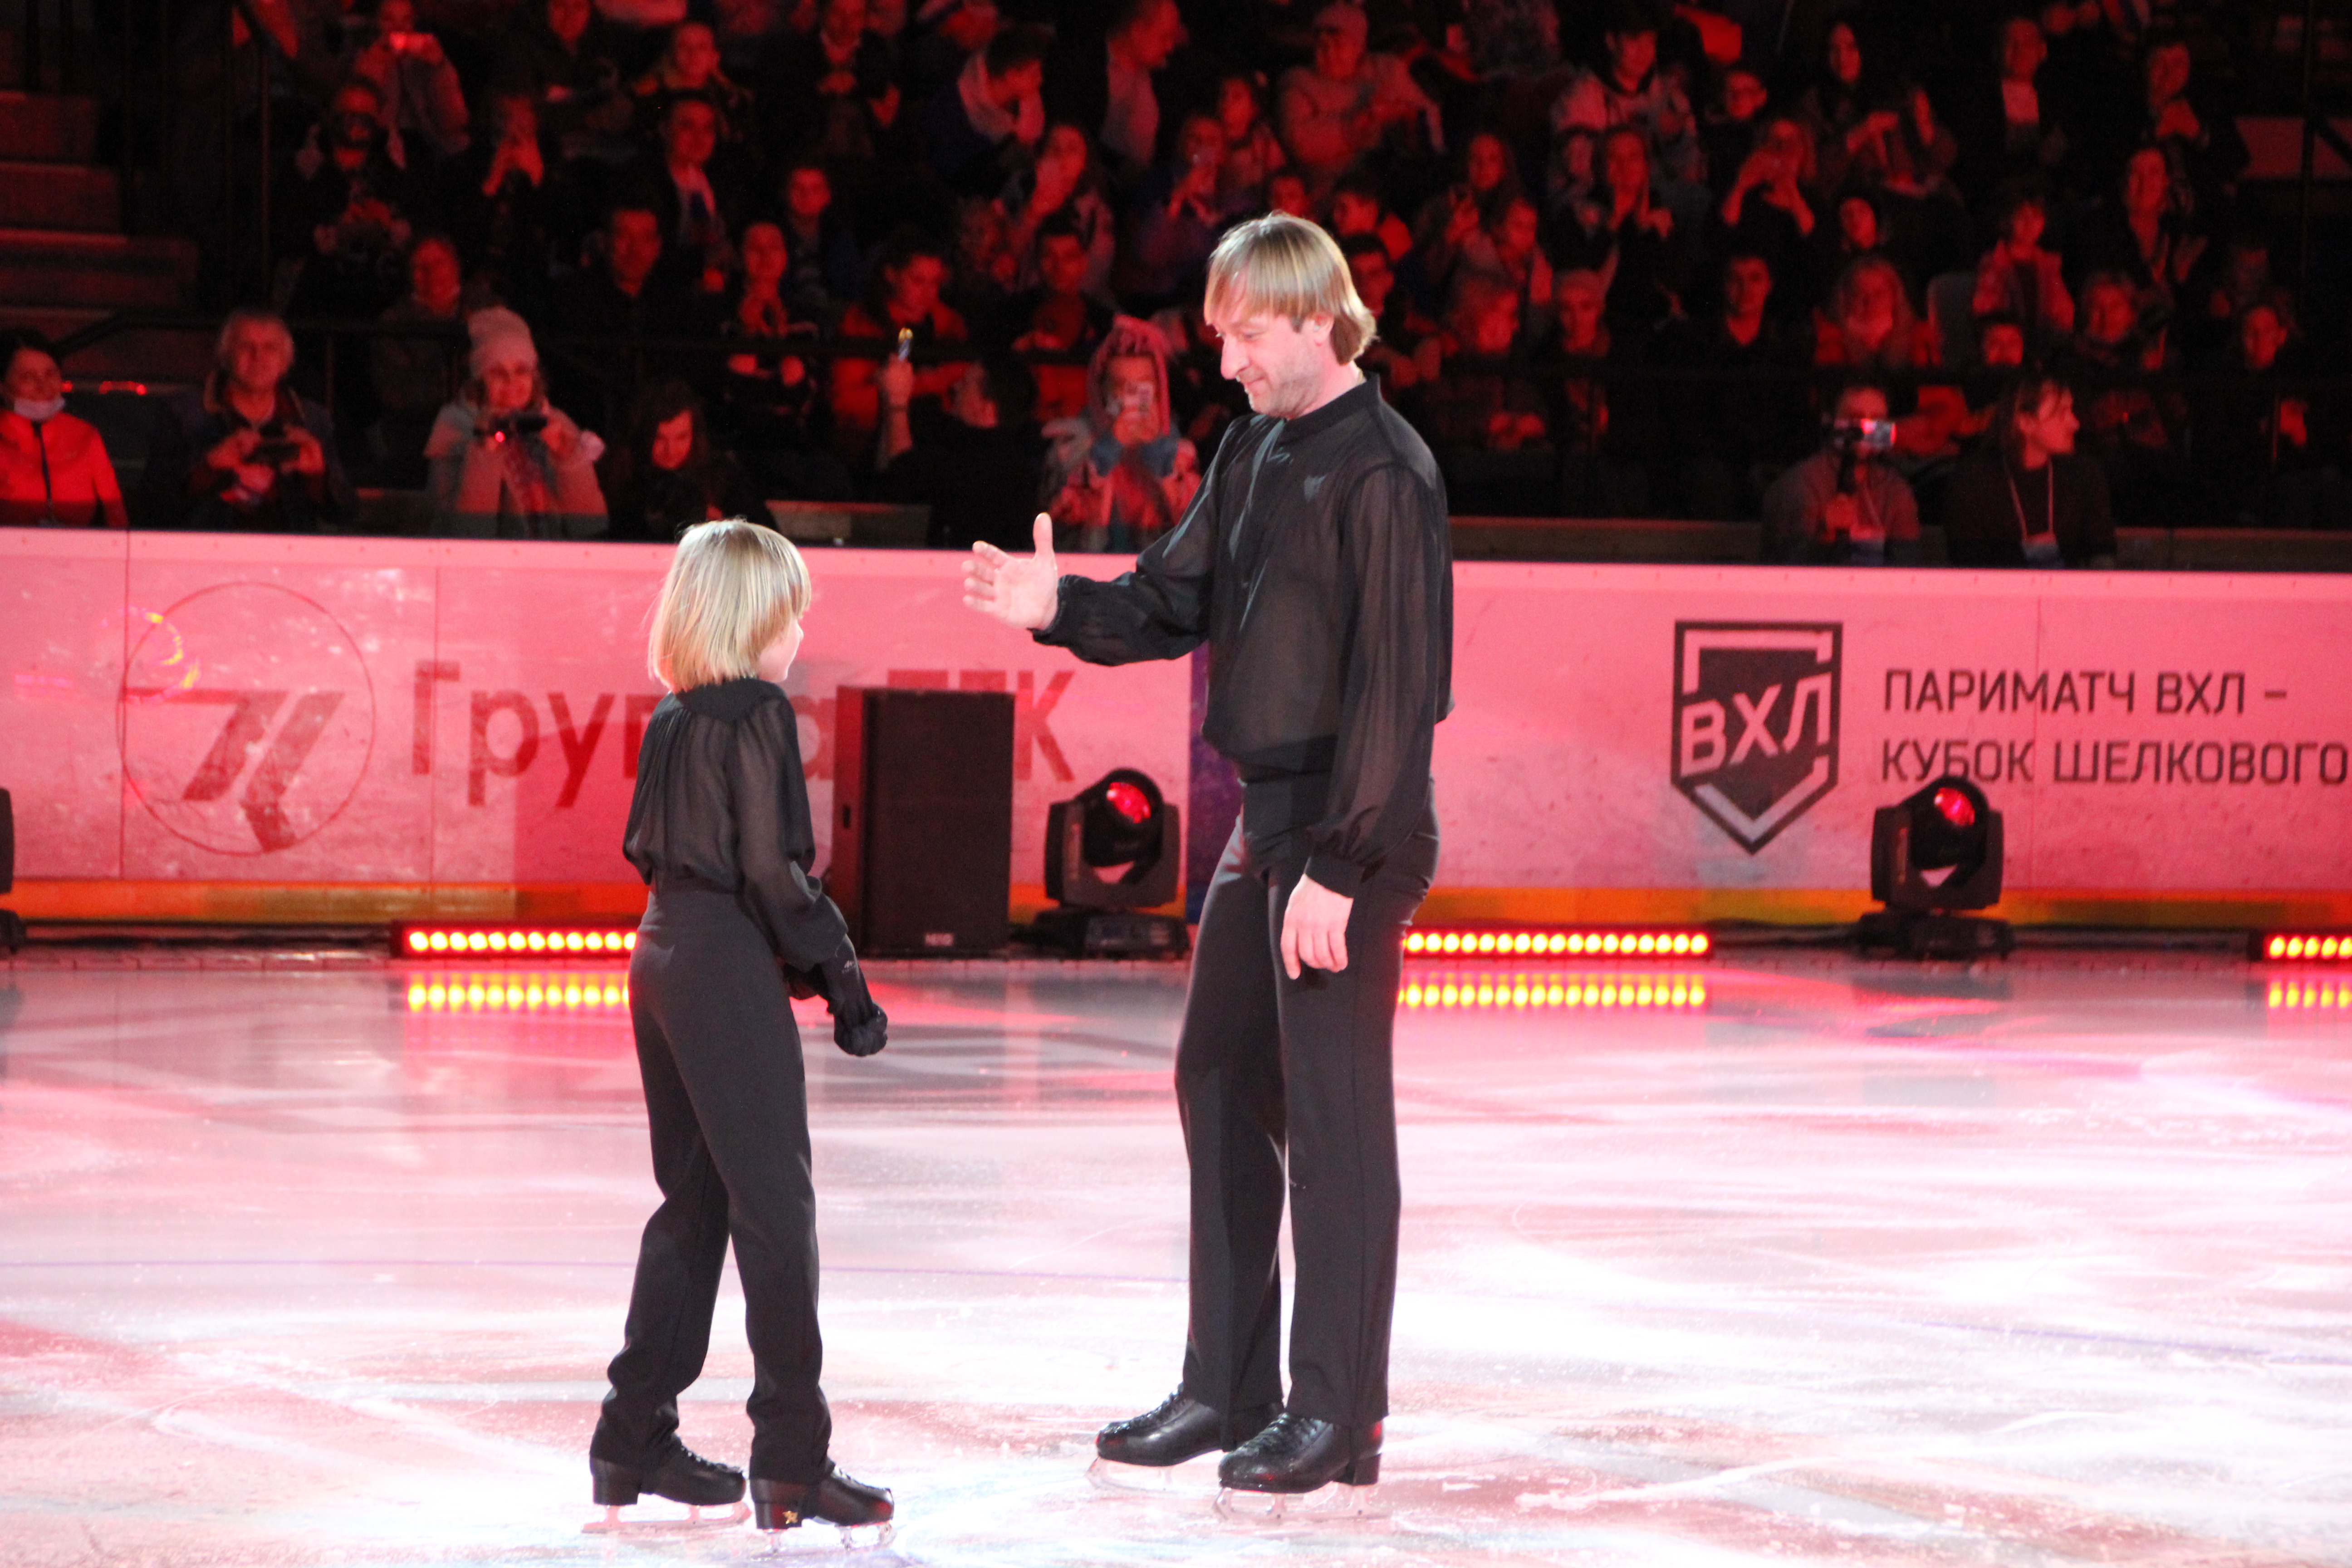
pixel 1955 808
pixel 518 940
pixel 2303 946
pixel 1129 802
pixel 1571 942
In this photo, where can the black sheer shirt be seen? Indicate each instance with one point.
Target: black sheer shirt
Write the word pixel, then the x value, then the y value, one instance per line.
pixel 721 803
pixel 1316 565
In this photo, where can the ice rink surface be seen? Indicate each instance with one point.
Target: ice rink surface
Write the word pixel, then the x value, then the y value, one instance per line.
pixel 1792 1260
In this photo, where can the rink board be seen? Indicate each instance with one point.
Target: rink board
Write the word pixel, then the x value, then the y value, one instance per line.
pixel 236 727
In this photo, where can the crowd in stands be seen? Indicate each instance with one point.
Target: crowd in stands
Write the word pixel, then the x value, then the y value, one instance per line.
pixel 638 263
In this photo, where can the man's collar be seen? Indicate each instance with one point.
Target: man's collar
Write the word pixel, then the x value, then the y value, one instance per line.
pixel 1358 399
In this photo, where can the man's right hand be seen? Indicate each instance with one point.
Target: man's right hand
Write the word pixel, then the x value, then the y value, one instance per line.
pixel 1023 593
pixel 233 451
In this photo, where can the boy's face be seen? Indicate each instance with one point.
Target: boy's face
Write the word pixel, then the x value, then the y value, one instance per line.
pixel 1373 279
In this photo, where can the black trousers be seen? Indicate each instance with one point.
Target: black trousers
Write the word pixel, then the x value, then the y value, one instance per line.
pixel 727 1102
pixel 1267 1065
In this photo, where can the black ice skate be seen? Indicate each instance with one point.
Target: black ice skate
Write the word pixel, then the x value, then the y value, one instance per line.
pixel 680 1476
pixel 861 1512
pixel 1140 1452
pixel 1296 1455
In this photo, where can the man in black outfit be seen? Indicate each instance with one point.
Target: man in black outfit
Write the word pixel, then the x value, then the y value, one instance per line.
pixel 1316 564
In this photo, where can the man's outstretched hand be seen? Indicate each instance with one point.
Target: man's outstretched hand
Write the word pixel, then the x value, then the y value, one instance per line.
pixel 1023 593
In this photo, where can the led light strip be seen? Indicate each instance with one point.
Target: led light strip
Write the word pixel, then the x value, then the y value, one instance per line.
pixel 2305 946
pixel 1553 944
pixel 1521 992
pixel 2311 994
pixel 522 942
pixel 508 993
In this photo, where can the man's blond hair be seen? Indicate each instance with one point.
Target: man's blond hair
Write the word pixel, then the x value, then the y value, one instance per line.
pixel 1283 266
pixel 733 587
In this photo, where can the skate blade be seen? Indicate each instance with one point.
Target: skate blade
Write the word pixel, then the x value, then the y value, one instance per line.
pixel 1110 1476
pixel 853 1537
pixel 1332 1504
pixel 620 1521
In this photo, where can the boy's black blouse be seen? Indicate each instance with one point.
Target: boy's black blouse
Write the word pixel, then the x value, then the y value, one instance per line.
pixel 721 803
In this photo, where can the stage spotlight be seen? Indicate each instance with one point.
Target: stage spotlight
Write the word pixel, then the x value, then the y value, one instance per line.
pixel 1112 851
pixel 1932 855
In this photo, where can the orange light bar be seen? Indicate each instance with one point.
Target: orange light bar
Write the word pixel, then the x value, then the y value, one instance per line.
pixel 479 942
pixel 2304 947
pixel 1572 944
pixel 517 994
pixel 2334 995
pixel 1521 993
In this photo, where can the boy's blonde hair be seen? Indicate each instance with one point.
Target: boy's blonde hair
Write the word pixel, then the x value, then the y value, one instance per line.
pixel 1283 266
pixel 733 587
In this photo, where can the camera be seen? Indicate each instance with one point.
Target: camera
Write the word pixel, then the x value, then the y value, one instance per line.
pixel 273 450
pixel 1861 437
pixel 519 424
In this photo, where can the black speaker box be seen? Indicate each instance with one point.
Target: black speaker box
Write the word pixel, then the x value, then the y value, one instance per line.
pixel 922 819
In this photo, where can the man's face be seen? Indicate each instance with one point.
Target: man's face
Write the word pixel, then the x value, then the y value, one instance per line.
pixel 2109 313
pixel 690 133
pixel 1155 36
pixel 693 53
pixel 1494 327
pixel 1354 213
pixel 434 278
pixel 844 21
pixel 2025 225
pixel 257 356
pixel 1845 55
pixel 915 286
pixel 1062 263
pixel 1287 192
pixel 1631 56
pixel 673 441
pixel 1519 234
pixel 807 194
pixel 1746 286
pixel 1861 404
pixel 764 255
pixel 396 16
pixel 2003 347
pixel 1373 279
pixel 2023 50
pixel 567 20
pixel 1280 366
pixel 1486 164
pixel 968 28
pixel 633 241
pixel 2261 335
pixel 1337 52
pixel 1578 311
pixel 1858 222
pixel 1625 165
pixel 1743 95
pixel 2168 72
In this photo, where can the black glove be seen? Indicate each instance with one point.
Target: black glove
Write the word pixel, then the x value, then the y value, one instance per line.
pixel 859 1027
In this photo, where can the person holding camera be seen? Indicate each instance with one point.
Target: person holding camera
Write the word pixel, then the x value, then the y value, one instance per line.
pixel 2030 499
pixel 502 463
pixel 242 453
pixel 424 106
pixel 1845 506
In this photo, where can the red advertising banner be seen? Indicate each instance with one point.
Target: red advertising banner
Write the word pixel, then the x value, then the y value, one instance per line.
pixel 309 728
